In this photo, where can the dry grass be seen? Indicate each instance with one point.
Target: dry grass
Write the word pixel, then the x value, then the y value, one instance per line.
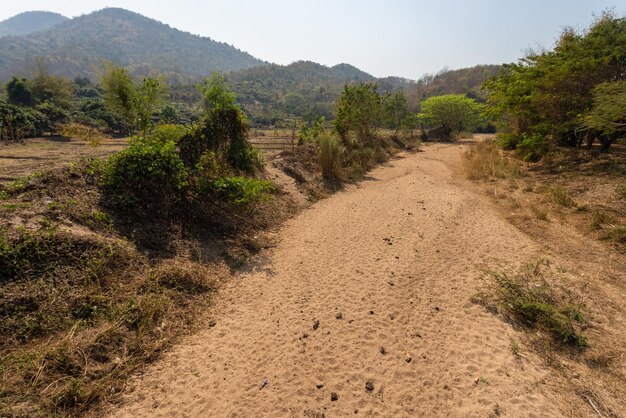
pixel 484 161
pixel 88 294
pixel 330 157
pixel 560 196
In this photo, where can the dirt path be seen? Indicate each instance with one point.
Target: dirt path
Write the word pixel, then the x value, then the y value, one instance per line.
pixel 390 263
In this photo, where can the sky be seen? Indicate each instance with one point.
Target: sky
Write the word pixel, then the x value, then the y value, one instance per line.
pixel 386 37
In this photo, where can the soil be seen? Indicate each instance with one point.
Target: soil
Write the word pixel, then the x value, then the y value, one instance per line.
pixel 37 154
pixel 397 258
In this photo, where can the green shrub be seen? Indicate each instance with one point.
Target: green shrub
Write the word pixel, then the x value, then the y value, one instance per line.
pixel 242 191
pixel 532 302
pixel 532 147
pixel 149 172
pixel 330 156
pixel 162 134
pixel 508 141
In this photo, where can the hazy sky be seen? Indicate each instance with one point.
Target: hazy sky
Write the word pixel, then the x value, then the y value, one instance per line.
pixel 391 37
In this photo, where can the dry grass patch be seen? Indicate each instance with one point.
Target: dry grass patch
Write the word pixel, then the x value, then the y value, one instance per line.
pixel 484 160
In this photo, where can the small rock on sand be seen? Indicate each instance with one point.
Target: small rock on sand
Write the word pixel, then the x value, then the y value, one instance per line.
pixel 334 396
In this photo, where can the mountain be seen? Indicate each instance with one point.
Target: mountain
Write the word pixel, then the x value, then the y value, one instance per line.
pixel 303 88
pixel 30 22
pixel 467 81
pixel 77 46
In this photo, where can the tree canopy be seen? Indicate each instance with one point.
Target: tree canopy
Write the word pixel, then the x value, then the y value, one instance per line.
pixel 550 94
pixel 451 113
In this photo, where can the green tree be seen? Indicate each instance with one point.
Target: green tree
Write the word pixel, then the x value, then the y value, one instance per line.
pixel 19 92
pixel 545 94
pixel 358 111
pixel 294 104
pixel 134 103
pixel 450 113
pixel 606 120
pixel 395 111
pixel 15 122
pixel 149 97
pixel 216 93
pixel 49 88
pixel 120 93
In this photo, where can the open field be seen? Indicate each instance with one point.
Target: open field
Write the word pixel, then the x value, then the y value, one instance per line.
pixel 36 154
pixel 367 307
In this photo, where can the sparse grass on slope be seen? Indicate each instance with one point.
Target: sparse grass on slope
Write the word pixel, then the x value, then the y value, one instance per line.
pixel 484 161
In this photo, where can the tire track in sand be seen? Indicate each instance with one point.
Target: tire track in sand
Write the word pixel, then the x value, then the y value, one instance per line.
pixel 396 259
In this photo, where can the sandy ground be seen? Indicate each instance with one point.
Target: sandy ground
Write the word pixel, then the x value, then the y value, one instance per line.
pixel 370 285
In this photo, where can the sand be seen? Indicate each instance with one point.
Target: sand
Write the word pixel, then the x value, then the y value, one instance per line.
pixel 366 296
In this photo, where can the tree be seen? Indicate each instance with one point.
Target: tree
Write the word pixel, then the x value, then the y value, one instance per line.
pixel 120 93
pixel 19 92
pixel 545 94
pixel 358 111
pixel 216 93
pixel 135 103
pixel 169 114
pixel 149 97
pixel 295 104
pixel 450 113
pixel 606 120
pixel 395 111
pixel 48 88
pixel 221 136
pixel 15 122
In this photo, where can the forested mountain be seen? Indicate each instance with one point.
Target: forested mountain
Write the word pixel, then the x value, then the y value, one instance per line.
pixel 303 88
pixel 75 48
pixel 467 81
pixel 30 22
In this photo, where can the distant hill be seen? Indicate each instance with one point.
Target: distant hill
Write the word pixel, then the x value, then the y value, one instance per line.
pixel 299 89
pixel 75 47
pixel 464 81
pixel 30 22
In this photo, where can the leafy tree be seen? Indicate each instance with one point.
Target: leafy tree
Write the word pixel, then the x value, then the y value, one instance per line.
pixel 395 111
pixel 169 114
pixel 48 88
pixel 149 97
pixel 120 94
pixel 547 94
pixel 358 111
pixel 222 131
pixel 606 120
pixel 295 104
pixel 134 103
pixel 15 122
pixel 19 92
pixel 216 93
pixel 451 113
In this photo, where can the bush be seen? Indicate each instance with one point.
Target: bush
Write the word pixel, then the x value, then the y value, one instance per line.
pixel 162 134
pixel 52 117
pixel 330 156
pixel 532 147
pixel 531 301
pixel 242 191
pixel 148 173
pixel 225 132
pixel 16 123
